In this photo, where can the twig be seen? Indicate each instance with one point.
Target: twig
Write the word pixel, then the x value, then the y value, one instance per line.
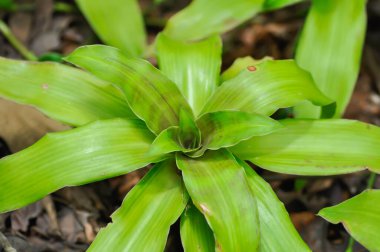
pixel 370 183
pixel 4 243
pixel 4 29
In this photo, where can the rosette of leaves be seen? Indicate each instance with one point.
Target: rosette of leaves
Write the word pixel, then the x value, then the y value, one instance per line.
pixel 197 127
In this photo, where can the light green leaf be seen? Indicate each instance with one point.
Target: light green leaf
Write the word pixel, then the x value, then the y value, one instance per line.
pixel 277 4
pixel 315 147
pixel 360 215
pixel 94 152
pixel 196 235
pixel 152 96
pixel 266 87
pixel 194 67
pixel 142 222
pixel 330 48
pixel 239 65
pixel 203 18
pixel 227 128
pixel 118 23
pixel 273 217
pixel 218 187
pixel 61 92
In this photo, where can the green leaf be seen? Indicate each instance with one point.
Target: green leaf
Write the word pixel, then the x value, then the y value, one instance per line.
pixel 152 96
pixel 142 222
pixel 360 215
pixel 118 23
pixel 196 235
pixel 203 18
pixel 315 147
pixel 189 135
pixel 194 67
pixel 63 93
pixel 273 217
pixel 94 152
pixel 218 187
pixel 266 87
pixel 330 48
pixel 227 128
pixel 277 4
pixel 239 65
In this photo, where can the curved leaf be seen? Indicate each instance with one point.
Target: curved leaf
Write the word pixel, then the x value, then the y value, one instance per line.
pixel 218 187
pixel 239 65
pixel 196 235
pixel 194 67
pixel 360 215
pixel 330 48
pixel 63 93
pixel 94 152
pixel 203 18
pixel 143 221
pixel 277 4
pixel 315 147
pixel 273 217
pixel 227 128
pixel 266 87
pixel 152 96
pixel 118 23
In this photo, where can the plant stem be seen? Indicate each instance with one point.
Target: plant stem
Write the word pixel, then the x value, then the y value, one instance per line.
pixel 370 183
pixel 4 29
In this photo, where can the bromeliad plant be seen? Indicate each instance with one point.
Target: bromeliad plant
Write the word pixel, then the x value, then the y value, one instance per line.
pixel 198 128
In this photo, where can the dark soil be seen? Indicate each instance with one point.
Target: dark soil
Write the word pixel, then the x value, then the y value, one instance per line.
pixel 69 219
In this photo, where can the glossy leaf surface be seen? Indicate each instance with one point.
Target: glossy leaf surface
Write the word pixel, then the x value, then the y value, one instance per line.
pixel 227 128
pixel 273 217
pixel 152 96
pixel 118 23
pixel 61 92
pixel 194 67
pixel 142 222
pixel 315 147
pixel 196 235
pixel 239 65
pixel 90 153
pixel 203 18
pixel 213 182
pixel 360 215
pixel 330 48
pixel 266 87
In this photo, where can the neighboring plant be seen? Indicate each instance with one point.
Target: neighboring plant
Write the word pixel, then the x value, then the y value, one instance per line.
pixel 198 144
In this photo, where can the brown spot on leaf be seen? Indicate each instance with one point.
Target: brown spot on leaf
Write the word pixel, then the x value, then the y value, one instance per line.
pixel 251 68
pixel 45 86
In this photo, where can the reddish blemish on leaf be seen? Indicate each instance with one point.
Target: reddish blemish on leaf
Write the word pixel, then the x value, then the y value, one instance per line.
pixel 252 68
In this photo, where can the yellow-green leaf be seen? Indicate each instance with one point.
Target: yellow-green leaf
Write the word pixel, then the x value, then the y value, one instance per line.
pixel 63 93
pixel 143 221
pixel 90 153
pixel 118 23
pixel 330 48
pixel 360 216
pixel 218 188
pixel 315 147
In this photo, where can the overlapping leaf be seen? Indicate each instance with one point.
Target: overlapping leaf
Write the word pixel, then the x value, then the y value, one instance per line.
pixel 152 96
pixel 227 128
pixel 142 222
pixel 97 151
pixel 273 217
pixel 203 18
pixel 213 182
pixel 61 92
pixel 330 48
pixel 360 215
pixel 194 67
pixel 196 235
pixel 266 87
pixel 315 147
pixel 118 23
